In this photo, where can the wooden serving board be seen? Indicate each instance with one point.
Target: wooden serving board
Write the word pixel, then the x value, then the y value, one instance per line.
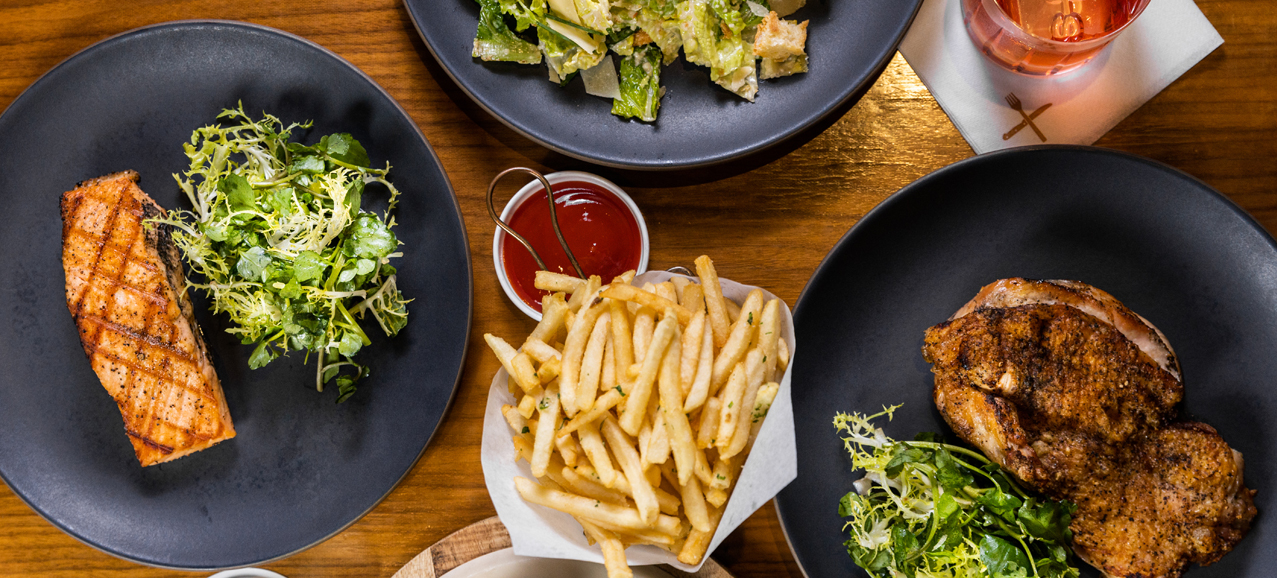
pixel 488 536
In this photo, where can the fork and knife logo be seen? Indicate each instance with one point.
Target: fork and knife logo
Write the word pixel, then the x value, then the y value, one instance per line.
pixel 1014 102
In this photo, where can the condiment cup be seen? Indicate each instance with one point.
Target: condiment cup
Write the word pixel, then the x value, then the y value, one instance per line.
pixel 498 239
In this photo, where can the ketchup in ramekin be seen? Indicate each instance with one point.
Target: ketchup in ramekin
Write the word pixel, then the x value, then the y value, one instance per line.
pixel 603 229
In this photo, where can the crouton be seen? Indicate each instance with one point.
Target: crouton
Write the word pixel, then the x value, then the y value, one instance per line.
pixel 780 39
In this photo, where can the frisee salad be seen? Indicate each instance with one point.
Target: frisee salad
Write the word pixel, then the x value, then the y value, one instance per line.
pixel 285 249
pixel 928 509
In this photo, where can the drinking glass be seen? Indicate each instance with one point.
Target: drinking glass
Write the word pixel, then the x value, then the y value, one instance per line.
pixel 1046 37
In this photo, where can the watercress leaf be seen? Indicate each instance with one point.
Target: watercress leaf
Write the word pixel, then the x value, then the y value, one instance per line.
pixel 906 456
pixel 370 238
pixel 345 148
pixel 350 343
pixel 346 275
pixel 252 264
pixel 308 266
pixel 364 266
pixel 951 476
pixel 844 504
pixel 1000 556
pixel 292 289
pixel 905 547
pixel 345 387
pixel 239 195
pixel 1000 503
pixel 311 165
pixel 262 355
pixel 1047 520
pixel 354 195
pixel 215 231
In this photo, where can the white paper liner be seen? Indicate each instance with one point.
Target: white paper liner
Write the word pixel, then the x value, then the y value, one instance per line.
pixel 547 533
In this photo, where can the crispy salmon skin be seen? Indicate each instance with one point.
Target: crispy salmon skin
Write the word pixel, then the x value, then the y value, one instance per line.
pixel 124 287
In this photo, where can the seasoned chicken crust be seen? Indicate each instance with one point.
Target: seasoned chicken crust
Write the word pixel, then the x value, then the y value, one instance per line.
pixel 124 287
pixel 1073 393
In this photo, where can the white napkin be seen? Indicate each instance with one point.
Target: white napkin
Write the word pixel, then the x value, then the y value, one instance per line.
pixel 1162 44
pixel 545 533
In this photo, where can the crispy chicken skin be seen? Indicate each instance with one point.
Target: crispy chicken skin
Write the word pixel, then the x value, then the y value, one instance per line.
pixel 1073 393
pixel 124 287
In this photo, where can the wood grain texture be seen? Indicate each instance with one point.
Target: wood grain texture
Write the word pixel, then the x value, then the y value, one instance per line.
pixel 768 226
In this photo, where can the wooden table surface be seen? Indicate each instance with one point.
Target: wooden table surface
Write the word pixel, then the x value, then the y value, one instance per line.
pixel 770 226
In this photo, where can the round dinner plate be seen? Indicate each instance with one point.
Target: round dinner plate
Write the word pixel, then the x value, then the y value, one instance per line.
pixel 699 123
pixel 1165 244
pixel 302 467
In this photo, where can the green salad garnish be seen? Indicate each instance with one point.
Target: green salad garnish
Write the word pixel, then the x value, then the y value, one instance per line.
pixel 279 235
pixel 928 509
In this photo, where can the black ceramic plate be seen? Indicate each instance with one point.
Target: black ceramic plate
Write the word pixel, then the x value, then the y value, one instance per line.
pixel 848 41
pixel 302 468
pixel 1166 245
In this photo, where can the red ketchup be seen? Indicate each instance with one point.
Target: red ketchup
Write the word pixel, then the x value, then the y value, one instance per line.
pixel 598 226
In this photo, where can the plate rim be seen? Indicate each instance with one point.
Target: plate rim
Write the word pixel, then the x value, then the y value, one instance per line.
pixel 894 199
pixel 416 130
pixel 875 72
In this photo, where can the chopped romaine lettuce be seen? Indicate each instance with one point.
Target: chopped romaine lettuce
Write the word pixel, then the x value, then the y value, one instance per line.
pixel 495 41
pixel 640 85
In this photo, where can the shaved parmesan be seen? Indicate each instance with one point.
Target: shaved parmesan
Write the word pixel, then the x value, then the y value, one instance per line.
pixel 565 9
pixel 601 80
pixel 756 8
pixel 587 42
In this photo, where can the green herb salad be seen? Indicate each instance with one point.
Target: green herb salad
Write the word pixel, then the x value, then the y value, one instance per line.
pixel 928 509
pixel 740 41
pixel 285 249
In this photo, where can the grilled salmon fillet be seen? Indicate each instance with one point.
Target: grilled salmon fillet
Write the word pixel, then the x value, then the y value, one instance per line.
pixel 1076 395
pixel 124 286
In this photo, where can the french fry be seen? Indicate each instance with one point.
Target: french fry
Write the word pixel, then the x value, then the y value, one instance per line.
pixel 782 357
pixel 592 362
pixel 584 486
pixel 641 390
pixel 581 506
pixel 608 379
pixel 626 277
pixel 681 441
pixel 522 448
pixel 666 290
pixel 754 380
pixel 613 550
pixel 680 283
pixel 707 429
pixel 739 340
pixel 622 338
pixel 768 337
pixel 528 405
pixel 691 351
pixel 644 324
pixel 554 312
pixel 605 402
pixel 540 350
pixel 723 475
pixel 517 422
pixel 546 420
pixel 549 371
pixel 567 449
pixel 574 350
pixel 623 448
pixel 518 365
pixel 693 499
pixel 713 299
pixel 692 297
pixel 733 310
pixel 648 299
pixel 596 452
pixel 762 404
pixel 551 281
pixel 697 543
pixel 716 497
pixel 578 300
pixel 658 442
pixel 701 387
pixel 731 405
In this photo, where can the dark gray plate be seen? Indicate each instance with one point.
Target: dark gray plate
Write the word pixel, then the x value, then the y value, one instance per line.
pixel 301 468
pixel 848 41
pixel 1165 244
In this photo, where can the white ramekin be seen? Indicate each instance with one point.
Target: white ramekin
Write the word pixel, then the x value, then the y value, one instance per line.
pixel 498 239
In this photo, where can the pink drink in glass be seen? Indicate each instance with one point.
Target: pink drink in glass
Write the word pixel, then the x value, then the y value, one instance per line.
pixel 1046 37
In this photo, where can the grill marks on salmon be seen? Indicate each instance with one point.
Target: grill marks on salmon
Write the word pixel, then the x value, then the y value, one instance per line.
pixel 124 287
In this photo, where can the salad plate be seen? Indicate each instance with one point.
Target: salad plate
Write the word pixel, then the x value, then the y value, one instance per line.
pixel 1163 243
pixel 699 123
pixel 302 467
